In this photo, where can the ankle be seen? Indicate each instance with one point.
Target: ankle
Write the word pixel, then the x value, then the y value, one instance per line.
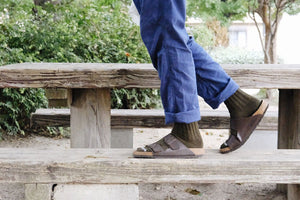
pixel 188 134
pixel 241 104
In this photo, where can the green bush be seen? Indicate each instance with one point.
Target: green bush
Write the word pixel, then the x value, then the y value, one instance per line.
pixel 73 31
pixel 16 106
pixel 203 36
pixel 236 56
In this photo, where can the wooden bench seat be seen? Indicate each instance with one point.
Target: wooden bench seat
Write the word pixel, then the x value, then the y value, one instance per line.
pixel 85 170
pixel 116 166
pixel 119 75
pixel 123 118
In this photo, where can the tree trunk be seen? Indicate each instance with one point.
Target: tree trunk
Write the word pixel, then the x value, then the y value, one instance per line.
pixel 270 47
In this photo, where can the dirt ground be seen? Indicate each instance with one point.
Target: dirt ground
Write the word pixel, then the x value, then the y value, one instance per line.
pixel 212 138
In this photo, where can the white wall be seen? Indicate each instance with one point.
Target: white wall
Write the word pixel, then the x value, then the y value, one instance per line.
pixel 251 36
pixel 288 46
pixel 288 38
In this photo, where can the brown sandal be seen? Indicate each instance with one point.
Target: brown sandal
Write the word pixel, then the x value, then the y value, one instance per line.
pixel 244 128
pixel 176 149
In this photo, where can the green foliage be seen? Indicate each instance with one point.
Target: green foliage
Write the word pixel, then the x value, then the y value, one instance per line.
pixel 81 31
pixel 224 11
pixel 136 98
pixel 293 8
pixel 237 56
pixel 227 11
pixel 203 36
pixel 16 106
pixel 72 31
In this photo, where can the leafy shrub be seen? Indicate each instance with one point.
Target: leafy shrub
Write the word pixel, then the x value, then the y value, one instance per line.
pixel 73 31
pixel 203 36
pixel 236 56
pixel 16 106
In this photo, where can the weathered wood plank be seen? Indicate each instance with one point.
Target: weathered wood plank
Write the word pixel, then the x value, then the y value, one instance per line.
pixel 56 93
pixel 289 129
pixel 146 118
pixel 117 166
pixel 293 192
pixel 90 118
pixel 105 75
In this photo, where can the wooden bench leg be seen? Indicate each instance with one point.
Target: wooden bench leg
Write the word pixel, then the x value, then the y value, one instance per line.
pixel 90 118
pixel 289 130
pixel 122 138
pixel 293 192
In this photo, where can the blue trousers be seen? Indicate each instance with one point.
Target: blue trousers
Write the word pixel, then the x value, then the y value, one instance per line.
pixel 184 68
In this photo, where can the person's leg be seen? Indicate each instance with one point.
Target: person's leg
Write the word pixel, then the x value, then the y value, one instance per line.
pixel 163 32
pixel 213 83
pixel 215 86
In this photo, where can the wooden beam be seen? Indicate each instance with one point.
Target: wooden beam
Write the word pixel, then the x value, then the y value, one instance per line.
pixel 116 166
pixel 106 75
pixel 90 118
pixel 289 129
pixel 153 118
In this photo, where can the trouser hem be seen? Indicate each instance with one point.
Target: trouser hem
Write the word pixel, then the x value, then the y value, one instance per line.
pixel 183 117
pixel 229 90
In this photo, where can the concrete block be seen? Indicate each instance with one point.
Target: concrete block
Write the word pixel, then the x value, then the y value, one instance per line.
pixel 38 191
pixel 96 192
pixel 122 138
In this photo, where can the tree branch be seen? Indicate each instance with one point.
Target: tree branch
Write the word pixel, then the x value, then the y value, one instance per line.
pixel 259 32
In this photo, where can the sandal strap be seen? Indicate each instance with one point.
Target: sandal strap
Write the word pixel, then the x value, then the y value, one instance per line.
pixel 243 125
pixel 175 147
pixel 155 147
pixel 233 141
pixel 173 142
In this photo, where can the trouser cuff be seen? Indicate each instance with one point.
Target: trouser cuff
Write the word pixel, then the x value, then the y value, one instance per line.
pixel 183 117
pixel 229 90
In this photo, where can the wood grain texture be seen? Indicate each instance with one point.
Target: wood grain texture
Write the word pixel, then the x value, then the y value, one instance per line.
pixel 110 166
pixel 90 118
pixel 289 119
pixel 293 192
pixel 107 75
pixel 38 191
pixel 146 119
pixel 289 130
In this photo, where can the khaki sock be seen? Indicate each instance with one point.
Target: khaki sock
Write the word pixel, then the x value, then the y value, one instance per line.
pixel 241 104
pixel 188 134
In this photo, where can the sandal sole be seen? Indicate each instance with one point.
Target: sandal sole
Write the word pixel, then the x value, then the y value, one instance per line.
pixel 197 151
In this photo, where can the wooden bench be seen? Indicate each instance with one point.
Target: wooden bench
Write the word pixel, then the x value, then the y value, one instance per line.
pixel 90 84
pixel 123 121
pixel 152 118
pixel 77 167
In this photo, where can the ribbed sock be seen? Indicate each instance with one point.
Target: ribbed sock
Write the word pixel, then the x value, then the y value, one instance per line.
pixel 188 134
pixel 241 104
